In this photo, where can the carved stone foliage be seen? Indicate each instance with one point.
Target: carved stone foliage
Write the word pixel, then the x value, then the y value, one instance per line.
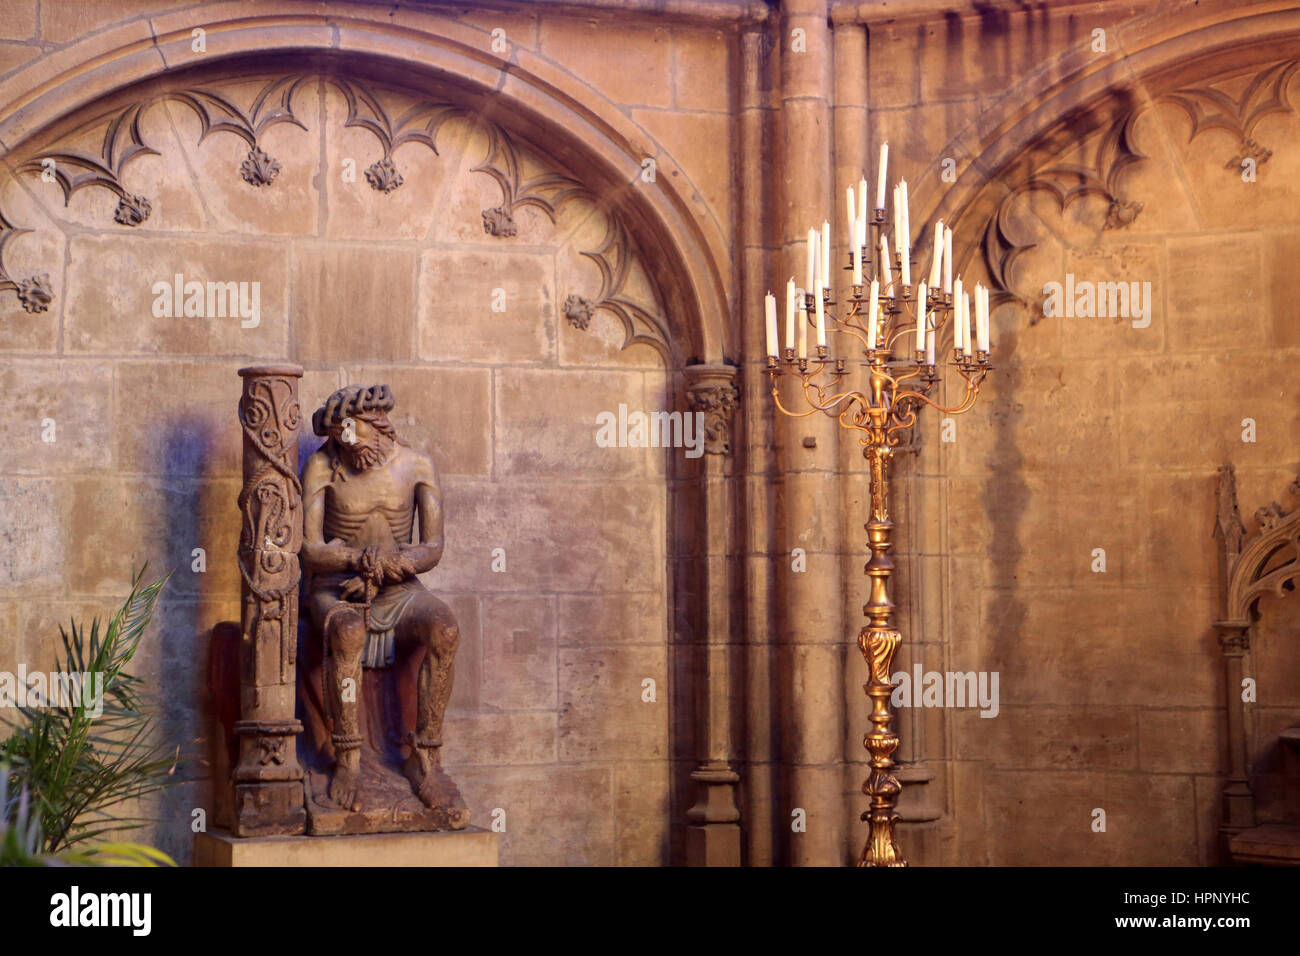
pixel 577 311
pixel 1211 108
pixel 714 393
pixel 1111 152
pixel 411 121
pixel 34 291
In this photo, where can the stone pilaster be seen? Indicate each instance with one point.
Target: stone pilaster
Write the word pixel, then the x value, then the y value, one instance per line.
pixel 713 836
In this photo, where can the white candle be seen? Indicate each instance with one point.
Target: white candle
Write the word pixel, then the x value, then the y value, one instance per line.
pixel 861 217
pixel 947 261
pixel 857 264
pixel 851 222
pixel 920 317
pixel 825 261
pixel 956 315
pixel 803 331
pixel 905 237
pixel 898 222
pixel 769 306
pixel 886 272
pixel 936 262
pixel 821 322
pixel 965 323
pixel 880 176
pixel 811 284
pixel 791 307
pixel 905 242
pixel 982 320
pixel 873 308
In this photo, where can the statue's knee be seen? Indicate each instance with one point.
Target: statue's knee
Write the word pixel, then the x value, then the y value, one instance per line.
pixel 347 635
pixel 446 639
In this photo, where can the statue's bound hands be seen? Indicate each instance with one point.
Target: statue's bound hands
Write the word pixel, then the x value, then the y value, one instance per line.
pixel 381 566
pixel 395 566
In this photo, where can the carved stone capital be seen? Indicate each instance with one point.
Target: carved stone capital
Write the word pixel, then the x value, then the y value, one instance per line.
pixel 711 389
pixel 1234 642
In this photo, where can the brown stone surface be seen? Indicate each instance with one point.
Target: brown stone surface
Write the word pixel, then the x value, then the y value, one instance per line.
pixel 1089 434
pixel 471 847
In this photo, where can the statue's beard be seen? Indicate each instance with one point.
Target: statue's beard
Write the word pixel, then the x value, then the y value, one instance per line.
pixel 362 456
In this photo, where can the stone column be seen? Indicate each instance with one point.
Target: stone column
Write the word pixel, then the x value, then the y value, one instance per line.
pixel 810 660
pixel 713 836
pixel 268 778
pixel 1238 798
pixel 759 263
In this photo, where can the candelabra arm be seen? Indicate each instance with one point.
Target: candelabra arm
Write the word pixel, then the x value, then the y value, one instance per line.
pixel 966 404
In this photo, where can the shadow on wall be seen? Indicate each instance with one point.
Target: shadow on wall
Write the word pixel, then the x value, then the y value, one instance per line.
pixel 183 696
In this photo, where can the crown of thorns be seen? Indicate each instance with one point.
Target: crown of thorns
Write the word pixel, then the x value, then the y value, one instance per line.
pixel 349 401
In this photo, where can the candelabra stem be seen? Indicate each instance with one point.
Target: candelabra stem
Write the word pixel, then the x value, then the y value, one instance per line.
pixel 879 640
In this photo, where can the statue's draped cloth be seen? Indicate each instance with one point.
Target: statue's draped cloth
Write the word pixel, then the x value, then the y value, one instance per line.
pixel 386 610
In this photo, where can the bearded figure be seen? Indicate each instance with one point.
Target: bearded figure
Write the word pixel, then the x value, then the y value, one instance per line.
pixel 372 522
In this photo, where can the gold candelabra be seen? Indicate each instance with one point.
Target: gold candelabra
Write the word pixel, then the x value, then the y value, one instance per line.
pixel 897 387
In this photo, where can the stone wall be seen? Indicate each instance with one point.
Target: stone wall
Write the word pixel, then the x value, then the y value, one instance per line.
pixel 501 350
pixel 1111 159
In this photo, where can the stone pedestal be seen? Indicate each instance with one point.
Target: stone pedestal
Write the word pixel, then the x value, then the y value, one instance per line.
pixel 473 846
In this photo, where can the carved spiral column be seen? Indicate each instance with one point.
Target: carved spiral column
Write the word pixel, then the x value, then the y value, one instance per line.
pixel 713 834
pixel 268 778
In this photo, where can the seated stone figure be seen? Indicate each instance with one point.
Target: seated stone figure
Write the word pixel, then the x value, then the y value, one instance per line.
pixel 363 491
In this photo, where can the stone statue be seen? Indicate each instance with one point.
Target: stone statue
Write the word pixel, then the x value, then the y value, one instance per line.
pixel 365 493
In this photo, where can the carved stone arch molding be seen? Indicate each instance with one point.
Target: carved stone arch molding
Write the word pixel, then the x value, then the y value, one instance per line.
pixel 531 97
pixel 1087 103
pixel 395 117
pixel 524 104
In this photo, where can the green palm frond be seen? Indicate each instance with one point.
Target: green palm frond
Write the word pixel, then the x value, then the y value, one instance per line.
pixel 81 758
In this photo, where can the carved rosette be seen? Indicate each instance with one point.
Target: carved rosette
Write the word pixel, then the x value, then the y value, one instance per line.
pixel 258 168
pixel 384 176
pixel 578 311
pixel 269 798
pixel 499 221
pixel 132 210
pixel 713 391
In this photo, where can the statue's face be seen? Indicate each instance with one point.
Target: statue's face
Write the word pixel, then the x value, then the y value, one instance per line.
pixel 360 442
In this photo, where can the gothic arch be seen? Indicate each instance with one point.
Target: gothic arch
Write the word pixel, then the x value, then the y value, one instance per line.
pixel 1082 92
pixel 529 95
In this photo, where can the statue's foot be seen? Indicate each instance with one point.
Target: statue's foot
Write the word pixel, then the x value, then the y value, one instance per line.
pixel 345 784
pixel 421 770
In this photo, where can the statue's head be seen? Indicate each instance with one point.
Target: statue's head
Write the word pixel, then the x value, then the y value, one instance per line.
pixel 355 421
